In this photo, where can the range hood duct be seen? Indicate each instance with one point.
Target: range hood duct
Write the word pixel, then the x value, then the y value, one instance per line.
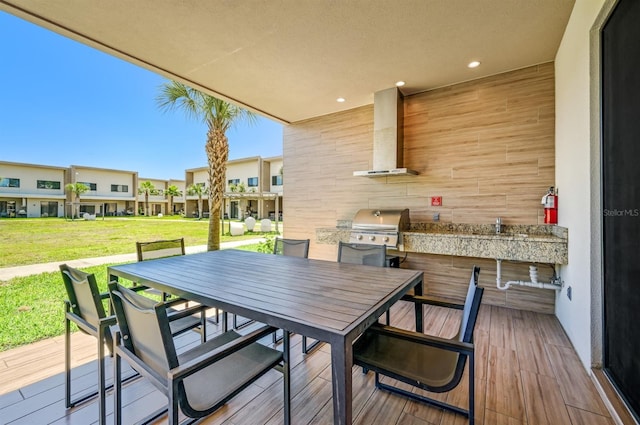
pixel 388 141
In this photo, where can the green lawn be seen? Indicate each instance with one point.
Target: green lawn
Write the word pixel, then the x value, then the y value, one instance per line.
pixel 43 240
pixel 32 308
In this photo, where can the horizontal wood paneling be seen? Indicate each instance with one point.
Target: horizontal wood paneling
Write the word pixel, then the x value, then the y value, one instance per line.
pixel 486 146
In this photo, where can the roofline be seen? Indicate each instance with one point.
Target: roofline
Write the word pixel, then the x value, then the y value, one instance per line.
pixel 25 164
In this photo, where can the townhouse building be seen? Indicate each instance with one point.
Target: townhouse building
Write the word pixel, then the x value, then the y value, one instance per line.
pixel 254 187
pixel 111 192
pixel 30 190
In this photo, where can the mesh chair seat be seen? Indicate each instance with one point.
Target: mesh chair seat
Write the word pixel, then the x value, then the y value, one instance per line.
pixel 198 381
pixel 424 361
pixel 231 372
pixel 430 366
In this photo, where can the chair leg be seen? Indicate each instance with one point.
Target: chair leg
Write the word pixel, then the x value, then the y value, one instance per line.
pixel 472 386
pixel 286 376
pixel 306 348
pixel 203 327
pixel 117 385
pixel 216 320
pixel 276 338
pixel 67 359
pixel 225 321
pixel 102 415
pixel 237 325
pixel 172 416
pixel 420 398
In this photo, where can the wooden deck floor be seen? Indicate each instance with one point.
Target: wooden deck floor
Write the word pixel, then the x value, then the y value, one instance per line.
pixel 526 373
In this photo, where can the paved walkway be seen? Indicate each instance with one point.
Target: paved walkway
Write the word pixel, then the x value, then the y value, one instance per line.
pixel 11 272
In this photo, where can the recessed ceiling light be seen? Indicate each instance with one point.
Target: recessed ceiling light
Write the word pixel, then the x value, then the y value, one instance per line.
pixel 340 99
pixel 400 83
pixel 474 64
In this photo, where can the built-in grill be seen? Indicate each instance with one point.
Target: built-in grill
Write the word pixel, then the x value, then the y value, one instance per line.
pixel 379 227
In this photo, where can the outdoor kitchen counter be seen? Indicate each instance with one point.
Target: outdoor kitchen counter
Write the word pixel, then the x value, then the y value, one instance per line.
pixel 530 243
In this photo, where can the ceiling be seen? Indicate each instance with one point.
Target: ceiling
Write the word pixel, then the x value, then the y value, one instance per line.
pixel 291 59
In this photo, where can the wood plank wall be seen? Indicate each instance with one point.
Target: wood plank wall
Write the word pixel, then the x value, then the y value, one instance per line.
pixel 486 146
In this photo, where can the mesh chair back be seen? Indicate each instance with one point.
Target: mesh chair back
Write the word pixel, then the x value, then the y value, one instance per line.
pixel 291 247
pixel 471 308
pixel 145 328
pixel 84 297
pixel 159 249
pixel 370 255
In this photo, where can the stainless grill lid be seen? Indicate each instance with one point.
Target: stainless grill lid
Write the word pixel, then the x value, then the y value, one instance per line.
pixel 381 220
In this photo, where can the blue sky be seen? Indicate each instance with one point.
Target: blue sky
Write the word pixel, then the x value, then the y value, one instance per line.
pixel 64 103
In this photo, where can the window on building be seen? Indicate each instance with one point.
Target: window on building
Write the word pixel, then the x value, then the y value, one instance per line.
pixel 9 182
pixel 233 181
pixel 201 184
pixel 89 209
pixel 47 184
pixel 119 188
pixel 252 182
pixel 276 180
pixel 48 209
pixel 160 192
pixel 92 186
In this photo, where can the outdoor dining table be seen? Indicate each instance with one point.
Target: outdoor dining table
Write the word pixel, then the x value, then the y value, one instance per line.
pixel 329 301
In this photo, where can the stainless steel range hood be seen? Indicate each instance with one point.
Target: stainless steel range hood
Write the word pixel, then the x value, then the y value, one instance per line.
pixel 388 142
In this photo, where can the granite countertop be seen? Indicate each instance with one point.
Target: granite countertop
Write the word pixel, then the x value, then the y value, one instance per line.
pixel 531 243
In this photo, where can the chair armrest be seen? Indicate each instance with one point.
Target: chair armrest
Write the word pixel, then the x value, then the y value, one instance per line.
pixel 421 299
pixel 419 338
pixel 204 360
pixel 188 311
pixel 86 326
pixel 175 301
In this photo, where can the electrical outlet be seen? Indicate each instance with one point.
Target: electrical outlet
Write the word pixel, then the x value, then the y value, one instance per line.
pixel 436 217
pixel 569 292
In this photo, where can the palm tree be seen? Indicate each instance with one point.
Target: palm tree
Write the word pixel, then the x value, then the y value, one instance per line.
pixel 77 189
pixel 219 116
pixel 170 192
pixel 198 190
pixel 147 188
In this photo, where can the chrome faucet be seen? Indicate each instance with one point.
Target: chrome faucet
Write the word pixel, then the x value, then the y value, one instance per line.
pixel 498 225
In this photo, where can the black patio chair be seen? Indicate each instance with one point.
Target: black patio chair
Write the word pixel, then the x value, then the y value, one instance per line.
pixel 291 248
pixel 427 362
pixel 198 381
pixel 169 248
pixel 85 308
pixel 370 255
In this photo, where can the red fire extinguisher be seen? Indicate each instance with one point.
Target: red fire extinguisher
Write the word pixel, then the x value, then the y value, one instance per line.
pixel 550 202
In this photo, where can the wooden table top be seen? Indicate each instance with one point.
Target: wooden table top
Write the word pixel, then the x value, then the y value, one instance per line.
pixel 320 299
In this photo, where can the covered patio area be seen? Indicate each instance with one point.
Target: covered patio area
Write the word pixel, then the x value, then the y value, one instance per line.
pixel 526 373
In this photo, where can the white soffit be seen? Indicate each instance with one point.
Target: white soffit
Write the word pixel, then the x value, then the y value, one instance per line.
pixel 291 59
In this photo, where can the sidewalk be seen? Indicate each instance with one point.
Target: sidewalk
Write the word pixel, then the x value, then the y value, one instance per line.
pixel 18 271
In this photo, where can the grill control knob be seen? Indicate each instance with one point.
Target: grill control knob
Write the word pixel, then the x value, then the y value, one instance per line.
pixel 372 238
pixel 386 239
pixel 359 237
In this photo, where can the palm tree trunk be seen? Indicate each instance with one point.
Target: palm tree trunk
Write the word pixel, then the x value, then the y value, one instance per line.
pixel 217 148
